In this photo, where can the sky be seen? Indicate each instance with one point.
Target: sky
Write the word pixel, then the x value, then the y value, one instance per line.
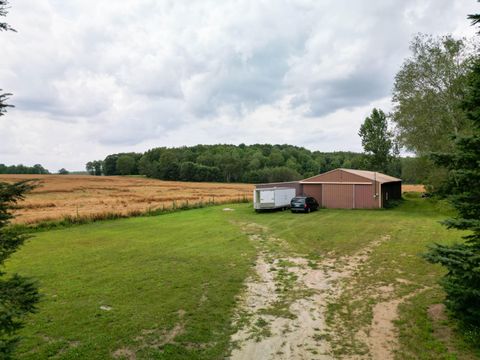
pixel 96 77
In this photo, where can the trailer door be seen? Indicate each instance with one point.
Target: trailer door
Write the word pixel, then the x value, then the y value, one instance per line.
pixel 267 197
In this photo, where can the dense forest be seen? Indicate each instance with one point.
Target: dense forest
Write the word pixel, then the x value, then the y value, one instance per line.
pixel 22 169
pixel 238 163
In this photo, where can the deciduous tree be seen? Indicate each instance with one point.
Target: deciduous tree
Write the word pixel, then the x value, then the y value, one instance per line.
pixel 377 141
pixel 125 165
pixel 428 91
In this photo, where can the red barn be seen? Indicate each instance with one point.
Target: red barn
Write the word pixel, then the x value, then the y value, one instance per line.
pixel 348 189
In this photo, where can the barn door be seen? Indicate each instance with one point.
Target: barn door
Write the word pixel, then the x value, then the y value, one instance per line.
pixel 364 197
pixel 338 196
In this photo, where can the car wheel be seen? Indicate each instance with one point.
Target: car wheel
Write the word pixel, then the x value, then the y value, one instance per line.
pixel 308 210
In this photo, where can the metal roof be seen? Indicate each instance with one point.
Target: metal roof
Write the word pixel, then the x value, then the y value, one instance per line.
pixel 281 182
pixel 276 188
pixel 372 175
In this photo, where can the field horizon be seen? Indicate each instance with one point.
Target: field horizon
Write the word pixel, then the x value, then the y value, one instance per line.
pixel 85 196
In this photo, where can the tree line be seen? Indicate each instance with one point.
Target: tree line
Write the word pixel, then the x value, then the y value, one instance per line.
pixel 256 163
pixel 23 169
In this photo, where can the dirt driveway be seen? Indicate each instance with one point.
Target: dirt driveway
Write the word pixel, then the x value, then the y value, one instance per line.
pixel 286 310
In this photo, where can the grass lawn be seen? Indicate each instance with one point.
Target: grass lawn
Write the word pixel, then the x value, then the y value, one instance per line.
pixel 175 274
pixel 410 227
pixel 176 277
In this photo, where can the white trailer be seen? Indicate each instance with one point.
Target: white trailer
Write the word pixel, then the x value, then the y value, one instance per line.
pixel 272 198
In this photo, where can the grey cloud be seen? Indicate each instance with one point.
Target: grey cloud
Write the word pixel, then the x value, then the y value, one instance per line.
pixel 136 71
pixel 356 90
pixel 141 121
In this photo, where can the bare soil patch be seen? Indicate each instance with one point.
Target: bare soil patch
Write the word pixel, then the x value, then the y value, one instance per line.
pixel 153 339
pixel 382 339
pixel 283 311
pixel 124 353
pixel 296 334
pixel 442 331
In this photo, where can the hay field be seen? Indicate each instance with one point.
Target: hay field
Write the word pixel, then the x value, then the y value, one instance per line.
pixel 60 196
pixel 414 188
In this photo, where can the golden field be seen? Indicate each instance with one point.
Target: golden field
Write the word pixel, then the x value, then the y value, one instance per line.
pixel 60 196
pixel 415 188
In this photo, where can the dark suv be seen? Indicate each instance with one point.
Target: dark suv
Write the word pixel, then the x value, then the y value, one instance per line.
pixel 303 204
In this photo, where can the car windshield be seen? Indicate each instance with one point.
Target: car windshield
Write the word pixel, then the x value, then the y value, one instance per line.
pixel 298 200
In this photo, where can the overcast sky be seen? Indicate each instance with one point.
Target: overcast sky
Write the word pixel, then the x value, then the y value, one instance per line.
pixel 94 77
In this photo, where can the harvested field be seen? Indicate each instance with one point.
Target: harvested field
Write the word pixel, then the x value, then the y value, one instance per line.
pixel 413 188
pixel 59 196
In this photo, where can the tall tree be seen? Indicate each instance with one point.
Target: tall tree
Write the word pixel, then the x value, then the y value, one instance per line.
pixel 4 27
pixel 125 165
pixel 110 164
pixel 90 168
pixel 475 18
pixel 94 167
pixel 428 91
pixel 3 102
pixel 462 282
pixel 377 141
pixel 3 12
pixel 98 167
pixel 18 295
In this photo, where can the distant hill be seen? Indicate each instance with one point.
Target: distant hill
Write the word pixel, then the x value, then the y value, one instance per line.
pixel 227 163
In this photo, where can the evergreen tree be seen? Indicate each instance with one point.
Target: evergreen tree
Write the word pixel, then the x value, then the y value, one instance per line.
pixel 3 12
pixel 462 282
pixel 18 295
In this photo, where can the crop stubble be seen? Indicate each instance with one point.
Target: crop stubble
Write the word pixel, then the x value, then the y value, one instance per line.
pixel 59 196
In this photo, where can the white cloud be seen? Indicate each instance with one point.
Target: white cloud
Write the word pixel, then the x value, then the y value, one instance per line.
pixel 93 77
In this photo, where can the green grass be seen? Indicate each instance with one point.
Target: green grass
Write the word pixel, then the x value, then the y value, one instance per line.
pixel 411 227
pixel 183 271
pixel 146 270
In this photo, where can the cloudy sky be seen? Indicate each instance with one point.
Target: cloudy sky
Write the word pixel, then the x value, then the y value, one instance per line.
pixel 94 77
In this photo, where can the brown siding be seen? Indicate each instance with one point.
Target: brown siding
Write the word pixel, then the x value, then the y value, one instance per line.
pixel 364 197
pixel 338 175
pixel 344 195
pixel 337 196
pixel 313 190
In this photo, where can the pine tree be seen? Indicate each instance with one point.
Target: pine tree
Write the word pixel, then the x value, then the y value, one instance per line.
pixel 18 295
pixel 462 282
